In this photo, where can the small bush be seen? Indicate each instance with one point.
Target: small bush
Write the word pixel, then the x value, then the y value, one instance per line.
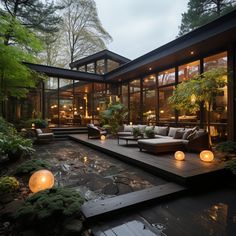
pixel 231 165
pixel 39 123
pixel 8 184
pixel 15 146
pixel 228 147
pixel 136 132
pixel 46 210
pixel 149 133
pixel 30 166
pixel 7 128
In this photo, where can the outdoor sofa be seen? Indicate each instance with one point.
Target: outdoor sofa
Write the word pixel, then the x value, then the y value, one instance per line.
pixel 44 135
pixel 169 139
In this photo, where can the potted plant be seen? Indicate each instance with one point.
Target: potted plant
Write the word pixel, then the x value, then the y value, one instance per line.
pixel 227 150
pixel 149 132
pixel 136 132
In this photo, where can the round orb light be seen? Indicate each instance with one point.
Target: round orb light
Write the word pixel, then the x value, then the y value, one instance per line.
pixel 41 180
pixel 103 137
pixel 206 156
pixel 179 155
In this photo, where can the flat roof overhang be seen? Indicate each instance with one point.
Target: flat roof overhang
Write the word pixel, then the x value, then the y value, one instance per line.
pixel 217 35
pixel 65 73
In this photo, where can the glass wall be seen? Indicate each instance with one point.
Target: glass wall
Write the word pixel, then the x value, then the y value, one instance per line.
pixel 218 116
pixel 134 108
pixel 149 100
pixel 166 77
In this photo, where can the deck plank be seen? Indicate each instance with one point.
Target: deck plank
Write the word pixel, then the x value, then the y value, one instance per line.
pixel 95 209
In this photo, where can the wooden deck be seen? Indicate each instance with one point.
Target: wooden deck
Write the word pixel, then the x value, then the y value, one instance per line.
pixel 189 172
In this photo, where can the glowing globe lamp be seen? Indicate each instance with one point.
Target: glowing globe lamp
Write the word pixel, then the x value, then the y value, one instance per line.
pixel 180 156
pixel 206 156
pixel 103 137
pixel 41 180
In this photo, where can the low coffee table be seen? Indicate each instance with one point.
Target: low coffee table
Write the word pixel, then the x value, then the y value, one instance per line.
pixel 128 138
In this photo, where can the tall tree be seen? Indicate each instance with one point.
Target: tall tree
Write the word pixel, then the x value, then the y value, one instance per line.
pixel 17 44
pixel 201 12
pixel 82 29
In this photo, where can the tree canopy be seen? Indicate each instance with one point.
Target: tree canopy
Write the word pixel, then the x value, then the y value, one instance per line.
pixel 200 12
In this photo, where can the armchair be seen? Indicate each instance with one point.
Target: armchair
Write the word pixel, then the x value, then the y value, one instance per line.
pixel 95 132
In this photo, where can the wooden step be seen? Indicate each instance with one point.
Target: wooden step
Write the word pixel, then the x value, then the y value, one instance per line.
pixel 97 209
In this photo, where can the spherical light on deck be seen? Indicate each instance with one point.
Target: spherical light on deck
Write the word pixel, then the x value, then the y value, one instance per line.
pixel 103 137
pixel 41 180
pixel 207 156
pixel 179 155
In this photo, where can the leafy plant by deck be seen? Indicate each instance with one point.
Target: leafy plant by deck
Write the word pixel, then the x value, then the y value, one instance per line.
pixel 8 185
pixel 114 116
pixel 47 209
pixel 202 89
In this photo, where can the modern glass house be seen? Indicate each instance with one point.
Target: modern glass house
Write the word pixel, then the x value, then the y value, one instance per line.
pixel 74 97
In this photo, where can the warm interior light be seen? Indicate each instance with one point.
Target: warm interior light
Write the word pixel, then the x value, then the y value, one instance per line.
pixel 103 137
pixel 64 106
pixel 192 52
pixel 33 126
pixel 98 108
pixel 161 111
pixel 80 108
pixel 41 180
pixel 131 123
pixel 179 155
pixel 150 68
pixel 207 156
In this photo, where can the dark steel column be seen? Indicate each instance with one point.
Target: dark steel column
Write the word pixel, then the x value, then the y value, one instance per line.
pixel 232 92
pixel 201 112
pixel 141 101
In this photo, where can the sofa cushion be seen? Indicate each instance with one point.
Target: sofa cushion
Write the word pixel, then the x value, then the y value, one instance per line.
pixel 142 128
pixel 179 134
pixel 160 141
pixel 39 131
pixel 161 130
pixel 187 132
pixel 128 128
pixel 172 131
pixel 192 135
pixel 161 136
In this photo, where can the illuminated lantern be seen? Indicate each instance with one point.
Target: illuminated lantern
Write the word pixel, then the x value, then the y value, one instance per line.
pixel 103 137
pixel 33 126
pixel 41 180
pixel 131 123
pixel 180 156
pixel 206 156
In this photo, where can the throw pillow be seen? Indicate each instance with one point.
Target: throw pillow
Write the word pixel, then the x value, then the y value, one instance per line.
pixel 179 134
pixel 161 130
pixel 172 131
pixel 199 133
pixel 128 128
pixel 187 132
pixel 192 135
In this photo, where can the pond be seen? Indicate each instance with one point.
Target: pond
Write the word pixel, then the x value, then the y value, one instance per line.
pixel 94 174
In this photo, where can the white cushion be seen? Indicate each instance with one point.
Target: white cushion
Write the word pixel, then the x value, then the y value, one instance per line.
pixel 39 131
pixel 172 131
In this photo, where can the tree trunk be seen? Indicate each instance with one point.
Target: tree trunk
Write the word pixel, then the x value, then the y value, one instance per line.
pixel 208 107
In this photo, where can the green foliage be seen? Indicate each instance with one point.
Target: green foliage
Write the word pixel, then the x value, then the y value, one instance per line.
pixel 15 146
pixel 30 166
pixel 228 147
pixel 136 132
pixel 7 128
pixel 150 132
pixel 114 116
pixel 189 94
pixel 49 208
pixel 231 165
pixel 39 123
pixel 17 44
pixel 201 12
pixel 8 184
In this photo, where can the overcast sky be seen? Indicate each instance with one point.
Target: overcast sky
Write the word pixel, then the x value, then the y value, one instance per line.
pixel 139 26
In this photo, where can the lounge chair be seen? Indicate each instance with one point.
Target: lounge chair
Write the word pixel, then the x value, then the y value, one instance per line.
pixel 44 135
pixel 95 132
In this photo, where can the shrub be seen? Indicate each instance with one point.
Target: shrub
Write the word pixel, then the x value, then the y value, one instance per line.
pixel 8 184
pixel 39 123
pixel 7 128
pixel 136 132
pixel 47 209
pixel 149 132
pixel 231 165
pixel 30 166
pixel 228 147
pixel 15 146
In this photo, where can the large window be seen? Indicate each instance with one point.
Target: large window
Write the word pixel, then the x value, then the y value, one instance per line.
pixel 166 77
pixel 149 100
pixel 219 109
pixel 166 113
pixel 188 71
pixel 134 108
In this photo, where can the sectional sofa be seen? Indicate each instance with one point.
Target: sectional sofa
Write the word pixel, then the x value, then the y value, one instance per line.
pixel 169 139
